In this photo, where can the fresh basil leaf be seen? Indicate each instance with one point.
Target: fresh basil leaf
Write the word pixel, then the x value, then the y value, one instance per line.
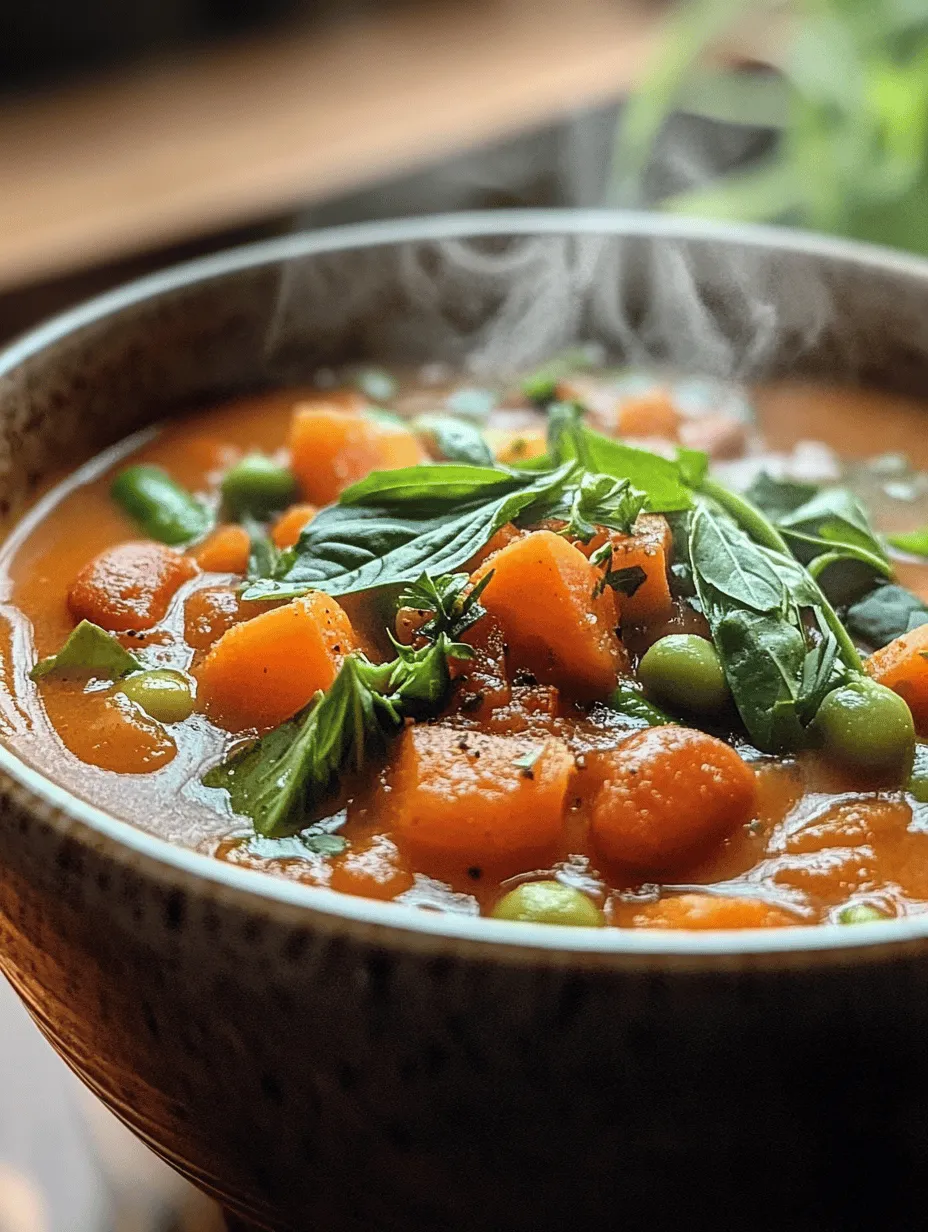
pixel 430 486
pixel 821 672
pixel 283 778
pixel 660 479
pixel 264 557
pixel 349 549
pixel 725 558
pixel 454 440
pixel 834 518
pixel 914 541
pixel 89 651
pixel 779 497
pixel 885 614
pixel 693 465
pixel 628 701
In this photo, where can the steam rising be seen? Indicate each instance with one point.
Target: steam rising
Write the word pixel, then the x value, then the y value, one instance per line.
pixel 494 306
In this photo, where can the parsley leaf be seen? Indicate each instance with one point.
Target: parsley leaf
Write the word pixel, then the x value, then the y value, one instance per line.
pixel 455 606
pixel 89 651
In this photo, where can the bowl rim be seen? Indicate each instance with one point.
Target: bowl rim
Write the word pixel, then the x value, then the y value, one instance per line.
pixel 383 920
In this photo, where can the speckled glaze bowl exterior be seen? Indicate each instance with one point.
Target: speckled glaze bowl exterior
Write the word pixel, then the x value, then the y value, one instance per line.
pixel 323 1062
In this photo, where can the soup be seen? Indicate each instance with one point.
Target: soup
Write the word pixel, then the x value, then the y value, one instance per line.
pixel 591 648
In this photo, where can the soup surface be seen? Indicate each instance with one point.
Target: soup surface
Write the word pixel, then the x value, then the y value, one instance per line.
pixel 593 648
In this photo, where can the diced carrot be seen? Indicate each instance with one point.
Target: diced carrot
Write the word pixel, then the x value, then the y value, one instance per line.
pixel 289 526
pixel 542 593
pixel 649 548
pixel 210 610
pixel 330 449
pixel 707 911
pixel 482 684
pixel 226 550
pixel 504 535
pixel 264 670
pixel 473 798
pixel 372 868
pixel 516 445
pixel 129 586
pixel 651 414
pixel 107 729
pixel 664 794
pixel 903 667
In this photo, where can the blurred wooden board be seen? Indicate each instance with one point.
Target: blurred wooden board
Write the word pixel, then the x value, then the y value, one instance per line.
pixel 109 168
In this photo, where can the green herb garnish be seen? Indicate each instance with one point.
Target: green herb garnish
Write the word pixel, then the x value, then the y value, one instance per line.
pixel 914 541
pixel 451 597
pixel 89 651
pixel 281 780
pixel 163 509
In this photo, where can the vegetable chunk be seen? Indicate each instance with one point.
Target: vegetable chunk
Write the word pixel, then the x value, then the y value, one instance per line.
pixel 649 549
pixel 474 798
pixel 330 449
pixel 903 667
pixel 264 670
pixel 129 586
pixel 708 911
pixel 226 550
pixel 289 526
pixel 664 794
pixel 542 593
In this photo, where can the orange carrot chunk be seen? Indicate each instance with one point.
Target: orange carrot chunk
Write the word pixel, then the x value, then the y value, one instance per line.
pixel 541 592
pixel 330 449
pixel 903 667
pixel 226 550
pixel 264 670
pixel 664 794
pixel 129 586
pixel 651 414
pixel 290 525
pixel 649 548
pixel 470 798
pixel 707 911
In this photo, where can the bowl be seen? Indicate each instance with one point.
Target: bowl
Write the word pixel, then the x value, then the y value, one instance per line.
pixel 322 1061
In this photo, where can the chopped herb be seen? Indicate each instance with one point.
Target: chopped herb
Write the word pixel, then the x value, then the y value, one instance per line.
pixel 89 651
pixel 451 597
pixel 281 779
pixel 626 581
pixel 525 763
pixel 628 701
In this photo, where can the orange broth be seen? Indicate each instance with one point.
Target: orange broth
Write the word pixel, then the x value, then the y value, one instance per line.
pixel 817 840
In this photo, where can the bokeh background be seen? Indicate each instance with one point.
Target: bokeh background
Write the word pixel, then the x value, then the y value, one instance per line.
pixel 135 133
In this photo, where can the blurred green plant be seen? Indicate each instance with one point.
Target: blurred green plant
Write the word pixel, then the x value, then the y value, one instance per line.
pixel 850 100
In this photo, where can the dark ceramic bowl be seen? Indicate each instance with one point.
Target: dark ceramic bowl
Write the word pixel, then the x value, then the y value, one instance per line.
pixel 325 1062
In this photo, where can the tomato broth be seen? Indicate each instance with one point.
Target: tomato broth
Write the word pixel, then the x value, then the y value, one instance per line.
pixel 590 648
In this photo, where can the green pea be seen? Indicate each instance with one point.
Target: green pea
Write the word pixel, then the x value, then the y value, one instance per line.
pixel 163 509
pixel 258 486
pixel 917 785
pixel 162 693
pixel 683 671
pixel 861 913
pixel 864 724
pixel 548 902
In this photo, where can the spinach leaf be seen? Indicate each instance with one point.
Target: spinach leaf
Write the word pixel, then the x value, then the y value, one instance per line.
pixel 89 651
pixel 454 440
pixel 281 779
pixel 914 541
pixel 833 520
pixel 779 497
pixel 726 559
pixel 355 548
pixel 885 614
pixel 764 658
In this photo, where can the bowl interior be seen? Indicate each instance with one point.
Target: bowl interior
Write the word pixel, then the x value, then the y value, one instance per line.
pixel 492 294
